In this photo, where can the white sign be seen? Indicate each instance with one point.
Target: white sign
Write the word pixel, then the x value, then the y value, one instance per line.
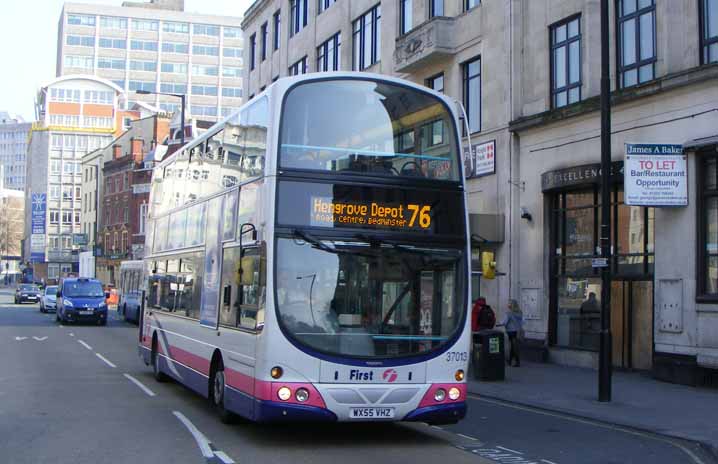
pixel 480 160
pixel 37 242
pixel 140 188
pixel 655 175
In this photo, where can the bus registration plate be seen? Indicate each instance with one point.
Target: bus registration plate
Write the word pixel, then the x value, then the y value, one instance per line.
pixel 371 413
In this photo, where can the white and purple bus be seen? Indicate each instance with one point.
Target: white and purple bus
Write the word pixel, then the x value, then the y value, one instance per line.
pixel 307 258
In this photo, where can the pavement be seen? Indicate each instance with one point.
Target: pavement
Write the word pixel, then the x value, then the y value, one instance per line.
pixel 638 401
pixel 79 394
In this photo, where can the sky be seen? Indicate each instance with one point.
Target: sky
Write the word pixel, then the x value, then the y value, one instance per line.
pixel 28 44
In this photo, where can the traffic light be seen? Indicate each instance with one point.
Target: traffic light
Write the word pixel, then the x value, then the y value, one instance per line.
pixel 488 265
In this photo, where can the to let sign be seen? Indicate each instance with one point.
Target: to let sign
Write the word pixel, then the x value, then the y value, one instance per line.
pixel 655 175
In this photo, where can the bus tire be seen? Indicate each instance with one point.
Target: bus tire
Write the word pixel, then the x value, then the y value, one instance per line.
pixel 124 312
pixel 154 361
pixel 217 389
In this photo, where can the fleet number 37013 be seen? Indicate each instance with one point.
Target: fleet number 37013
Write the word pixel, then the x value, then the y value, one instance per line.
pixel 457 356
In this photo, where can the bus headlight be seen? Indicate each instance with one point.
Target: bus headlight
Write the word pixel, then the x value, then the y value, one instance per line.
pixel 302 395
pixel 276 372
pixel 440 395
pixel 459 375
pixel 284 393
pixel 454 393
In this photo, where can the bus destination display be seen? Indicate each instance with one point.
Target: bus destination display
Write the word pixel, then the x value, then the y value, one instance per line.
pixel 326 212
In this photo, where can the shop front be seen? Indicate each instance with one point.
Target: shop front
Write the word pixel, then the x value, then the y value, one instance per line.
pixel 574 317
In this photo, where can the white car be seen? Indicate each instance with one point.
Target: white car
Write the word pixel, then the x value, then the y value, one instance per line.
pixel 48 301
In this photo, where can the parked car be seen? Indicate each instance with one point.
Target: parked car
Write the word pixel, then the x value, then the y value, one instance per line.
pixel 49 299
pixel 27 292
pixel 81 300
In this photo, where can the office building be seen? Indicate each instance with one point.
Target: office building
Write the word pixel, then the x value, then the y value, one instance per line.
pixel 156 47
pixel 13 147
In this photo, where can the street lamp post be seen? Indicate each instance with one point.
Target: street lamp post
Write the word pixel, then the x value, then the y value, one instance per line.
pixel 181 96
pixel 605 354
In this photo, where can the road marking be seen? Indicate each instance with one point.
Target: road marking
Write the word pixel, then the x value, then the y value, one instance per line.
pixel 20 338
pixel 466 436
pixel 201 440
pixel 85 345
pixel 223 457
pixel 547 461
pixel 39 339
pixel 509 450
pixel 105 360
pixel 139 384
pixel 599 424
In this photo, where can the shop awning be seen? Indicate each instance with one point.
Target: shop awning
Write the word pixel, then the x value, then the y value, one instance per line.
pixel 702 142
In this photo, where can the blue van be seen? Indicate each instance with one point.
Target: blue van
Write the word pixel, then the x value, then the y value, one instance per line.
pixel 81 300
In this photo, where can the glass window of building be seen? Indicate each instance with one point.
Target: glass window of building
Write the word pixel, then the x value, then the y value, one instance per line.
pixel 145 45
pixel 436 82
pixel 142 85
pixel 566 62
pixel 636 41
pixel 176 28
pixel 709 23
pixel 329 54
pixel 298 18
pixel 469 4
pixel 233 32
pixel 176 68
pixel 80 40
pixel 204 110
pixel 206 50
pixel 80 20
pixel 264 35
pixel 205 29
pixel 277 29
pixel 324 4
pixel 106 42
pixel 144 25
pixel 111 63
pixel 232 71
pixel 173 87
pixel 298 68
pixel 112 22
pixel 405 16
pixel 204 70
pixel 77 61
pixel 708 231
pixel 232 52
pixel 252 50
pixel 436 8
pixel 234 92
pixel 366 33
pixel 472 93
pixel 175 47
pixel 209 90
pixel 143 65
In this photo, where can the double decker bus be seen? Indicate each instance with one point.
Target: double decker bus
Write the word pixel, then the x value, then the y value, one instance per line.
pixel 307 258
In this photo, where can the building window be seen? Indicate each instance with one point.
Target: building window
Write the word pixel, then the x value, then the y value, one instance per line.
pixel 171 87
pixel 175 47
pixel 566 62
pixel 472 93
pixel 298 17
pixel 708 231
pixel 80 20
pixel 111 63
pixel 277 29
pixel 205 50
pixel 203 110
pixel 298 68
pixel 142 218
pixel 53 271
pixel 469 4
pixel 143 65
pixel 709 25
pixel 233 92
pixel 232 71
pixel 366 33
pixel 54 216
pixel 120 44
pixel 405 16
pixel 208 90
pixel 204 70
pixel 145 25
pixel 205 29
pixel 75 61
pixel 263 45
pixel 142 85
pixel 252 50
pixel 329 54
pixel 233 32
pixel 80 40
pixel 324 4
pixel 175 68
pixel 636 42
pixel 436 8
pixel 176 28
pixel 232 52
pixel 436 82
pixel 145 45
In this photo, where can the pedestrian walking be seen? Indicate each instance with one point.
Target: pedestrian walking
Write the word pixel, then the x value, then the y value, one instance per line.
pixel 513 324
pixel 482 316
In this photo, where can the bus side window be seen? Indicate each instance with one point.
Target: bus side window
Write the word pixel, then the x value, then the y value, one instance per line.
pixel 229 305
pixel 253 288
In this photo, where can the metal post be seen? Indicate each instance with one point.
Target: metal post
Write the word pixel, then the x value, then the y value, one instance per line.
pixel 605 354
pixel 182 97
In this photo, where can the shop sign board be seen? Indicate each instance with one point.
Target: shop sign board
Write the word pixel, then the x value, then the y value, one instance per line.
pixel 480 160
pixel 655 175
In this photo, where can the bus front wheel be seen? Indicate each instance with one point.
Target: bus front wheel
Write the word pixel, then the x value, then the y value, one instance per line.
pixel 216 393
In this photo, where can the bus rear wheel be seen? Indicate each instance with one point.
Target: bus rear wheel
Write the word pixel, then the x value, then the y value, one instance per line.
pixel 154 360
pixel 216 396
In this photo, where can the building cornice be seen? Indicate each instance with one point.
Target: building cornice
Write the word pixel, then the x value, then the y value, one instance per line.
pixel 693 76
pixel 253 11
